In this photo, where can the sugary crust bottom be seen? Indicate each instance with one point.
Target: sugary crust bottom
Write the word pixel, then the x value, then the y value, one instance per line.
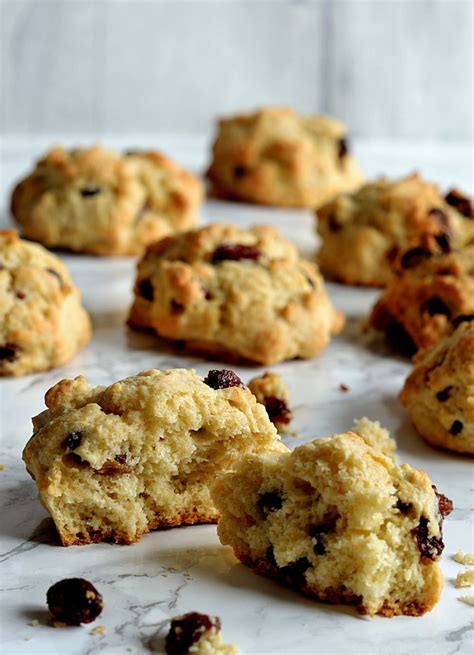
pixel 336 596
pixel 98 536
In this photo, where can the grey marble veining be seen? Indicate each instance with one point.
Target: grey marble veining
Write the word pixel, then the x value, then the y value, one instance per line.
pixel 172 571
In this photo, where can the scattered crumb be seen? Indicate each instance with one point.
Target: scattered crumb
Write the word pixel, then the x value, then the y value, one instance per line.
pixel 343 387
pixel 59 624
pixel 469 600
pixel 98 630
pixel 34 622
pixel 465 579
pixel 2 467
pixel 463 558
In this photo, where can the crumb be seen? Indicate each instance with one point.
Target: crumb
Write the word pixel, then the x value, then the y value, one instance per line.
pixel 34 623
pixel 469 600
pixel 2 467
pixel 343 387
pixel 58 624
pixel 98 630
pixel 463 558
pixel 465 579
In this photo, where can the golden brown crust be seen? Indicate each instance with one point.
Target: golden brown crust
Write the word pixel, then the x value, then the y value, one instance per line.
pixel 264 306
pixel 42 321
pixel 276 157
pixel 97 201
pixel 362 232
pixel 429 289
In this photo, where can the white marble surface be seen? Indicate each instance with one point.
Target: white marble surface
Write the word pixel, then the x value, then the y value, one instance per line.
pixel 184 569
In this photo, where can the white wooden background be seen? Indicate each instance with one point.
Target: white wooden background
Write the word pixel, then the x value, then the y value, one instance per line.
pixel 399 69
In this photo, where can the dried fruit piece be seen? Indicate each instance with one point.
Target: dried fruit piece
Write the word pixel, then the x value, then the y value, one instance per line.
pixel 445 505
pixel 146 290
pixel 8 352
pixel 343 148
pixel 240 171
pixel 222 379
pixel 73 441
pixel 74 601
pixel 444 394
pixel 456 428
pixel 186 630
pixel 413 257
pixel 430 547
pixel 87 192
pixel 235 252
pixel 462 318
pixel 460 202
pixel 277 410
pixel 270 501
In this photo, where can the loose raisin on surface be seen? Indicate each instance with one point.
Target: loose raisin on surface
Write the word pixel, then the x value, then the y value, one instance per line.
pixel 343 148
pixel 456 428
pixel 146 290
pixel 444 394
pixel 443 242
pixel 222 379
pixel 186 630
pixel 413 257
pixel 240 171
pixel 445 505
pixel 74 601
pixel 89 191
pixel 235 252
pixel 73 441
pixel 8 352
pixel 270 501
pixel 399 338
pixel 277 410
pixel 435 306
pixel 440 216
pixel 462 318
pixel 293 573
pixel 460 202
pixel 430 547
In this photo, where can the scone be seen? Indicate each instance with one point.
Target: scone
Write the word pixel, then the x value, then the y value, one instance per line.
pixel 340 522
pixel 277 157
pixel 240 294
pixel 431 286
pixel 270 390
pixel 114 462
pixel 197 634
pixel 439 393
pixel 42 321
pixel 362 232
pixel 96 201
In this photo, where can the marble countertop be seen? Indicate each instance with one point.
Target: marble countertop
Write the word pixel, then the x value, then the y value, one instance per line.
pixel 173 571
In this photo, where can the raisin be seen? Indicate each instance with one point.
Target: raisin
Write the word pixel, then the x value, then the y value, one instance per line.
pixel 51 271
pixel 445 505
pixel 343 148
pixel 392 254
pixel 403 507
pixel 462 318
pixel 440 216
pixel 430 547
pixel 235 252
pixel 293 573
pixel 444 394
pixel 456 428
pixel 118 465
pixel 89 191
pixel 316 532
pixel 73 441
pixel 462 204
pixel 8 352
pixel 240 171
pixel 435 306
pixel 74 601
pixel 222 379
pixel 399 338
pixel 186 630
pixel 146 290
pixel 413 257
pixel 176 307
pixel 333 224
pixel 277 409
pixel 443 242
pixel 20 295
pixel 343 387
pixel 270 501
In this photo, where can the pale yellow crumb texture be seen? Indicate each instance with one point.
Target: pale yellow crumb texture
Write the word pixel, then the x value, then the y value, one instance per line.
pixel 98 630
pixel 2 467
pixel 463 558
pixel 34 623
pixel 465 578
pixel 469 600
